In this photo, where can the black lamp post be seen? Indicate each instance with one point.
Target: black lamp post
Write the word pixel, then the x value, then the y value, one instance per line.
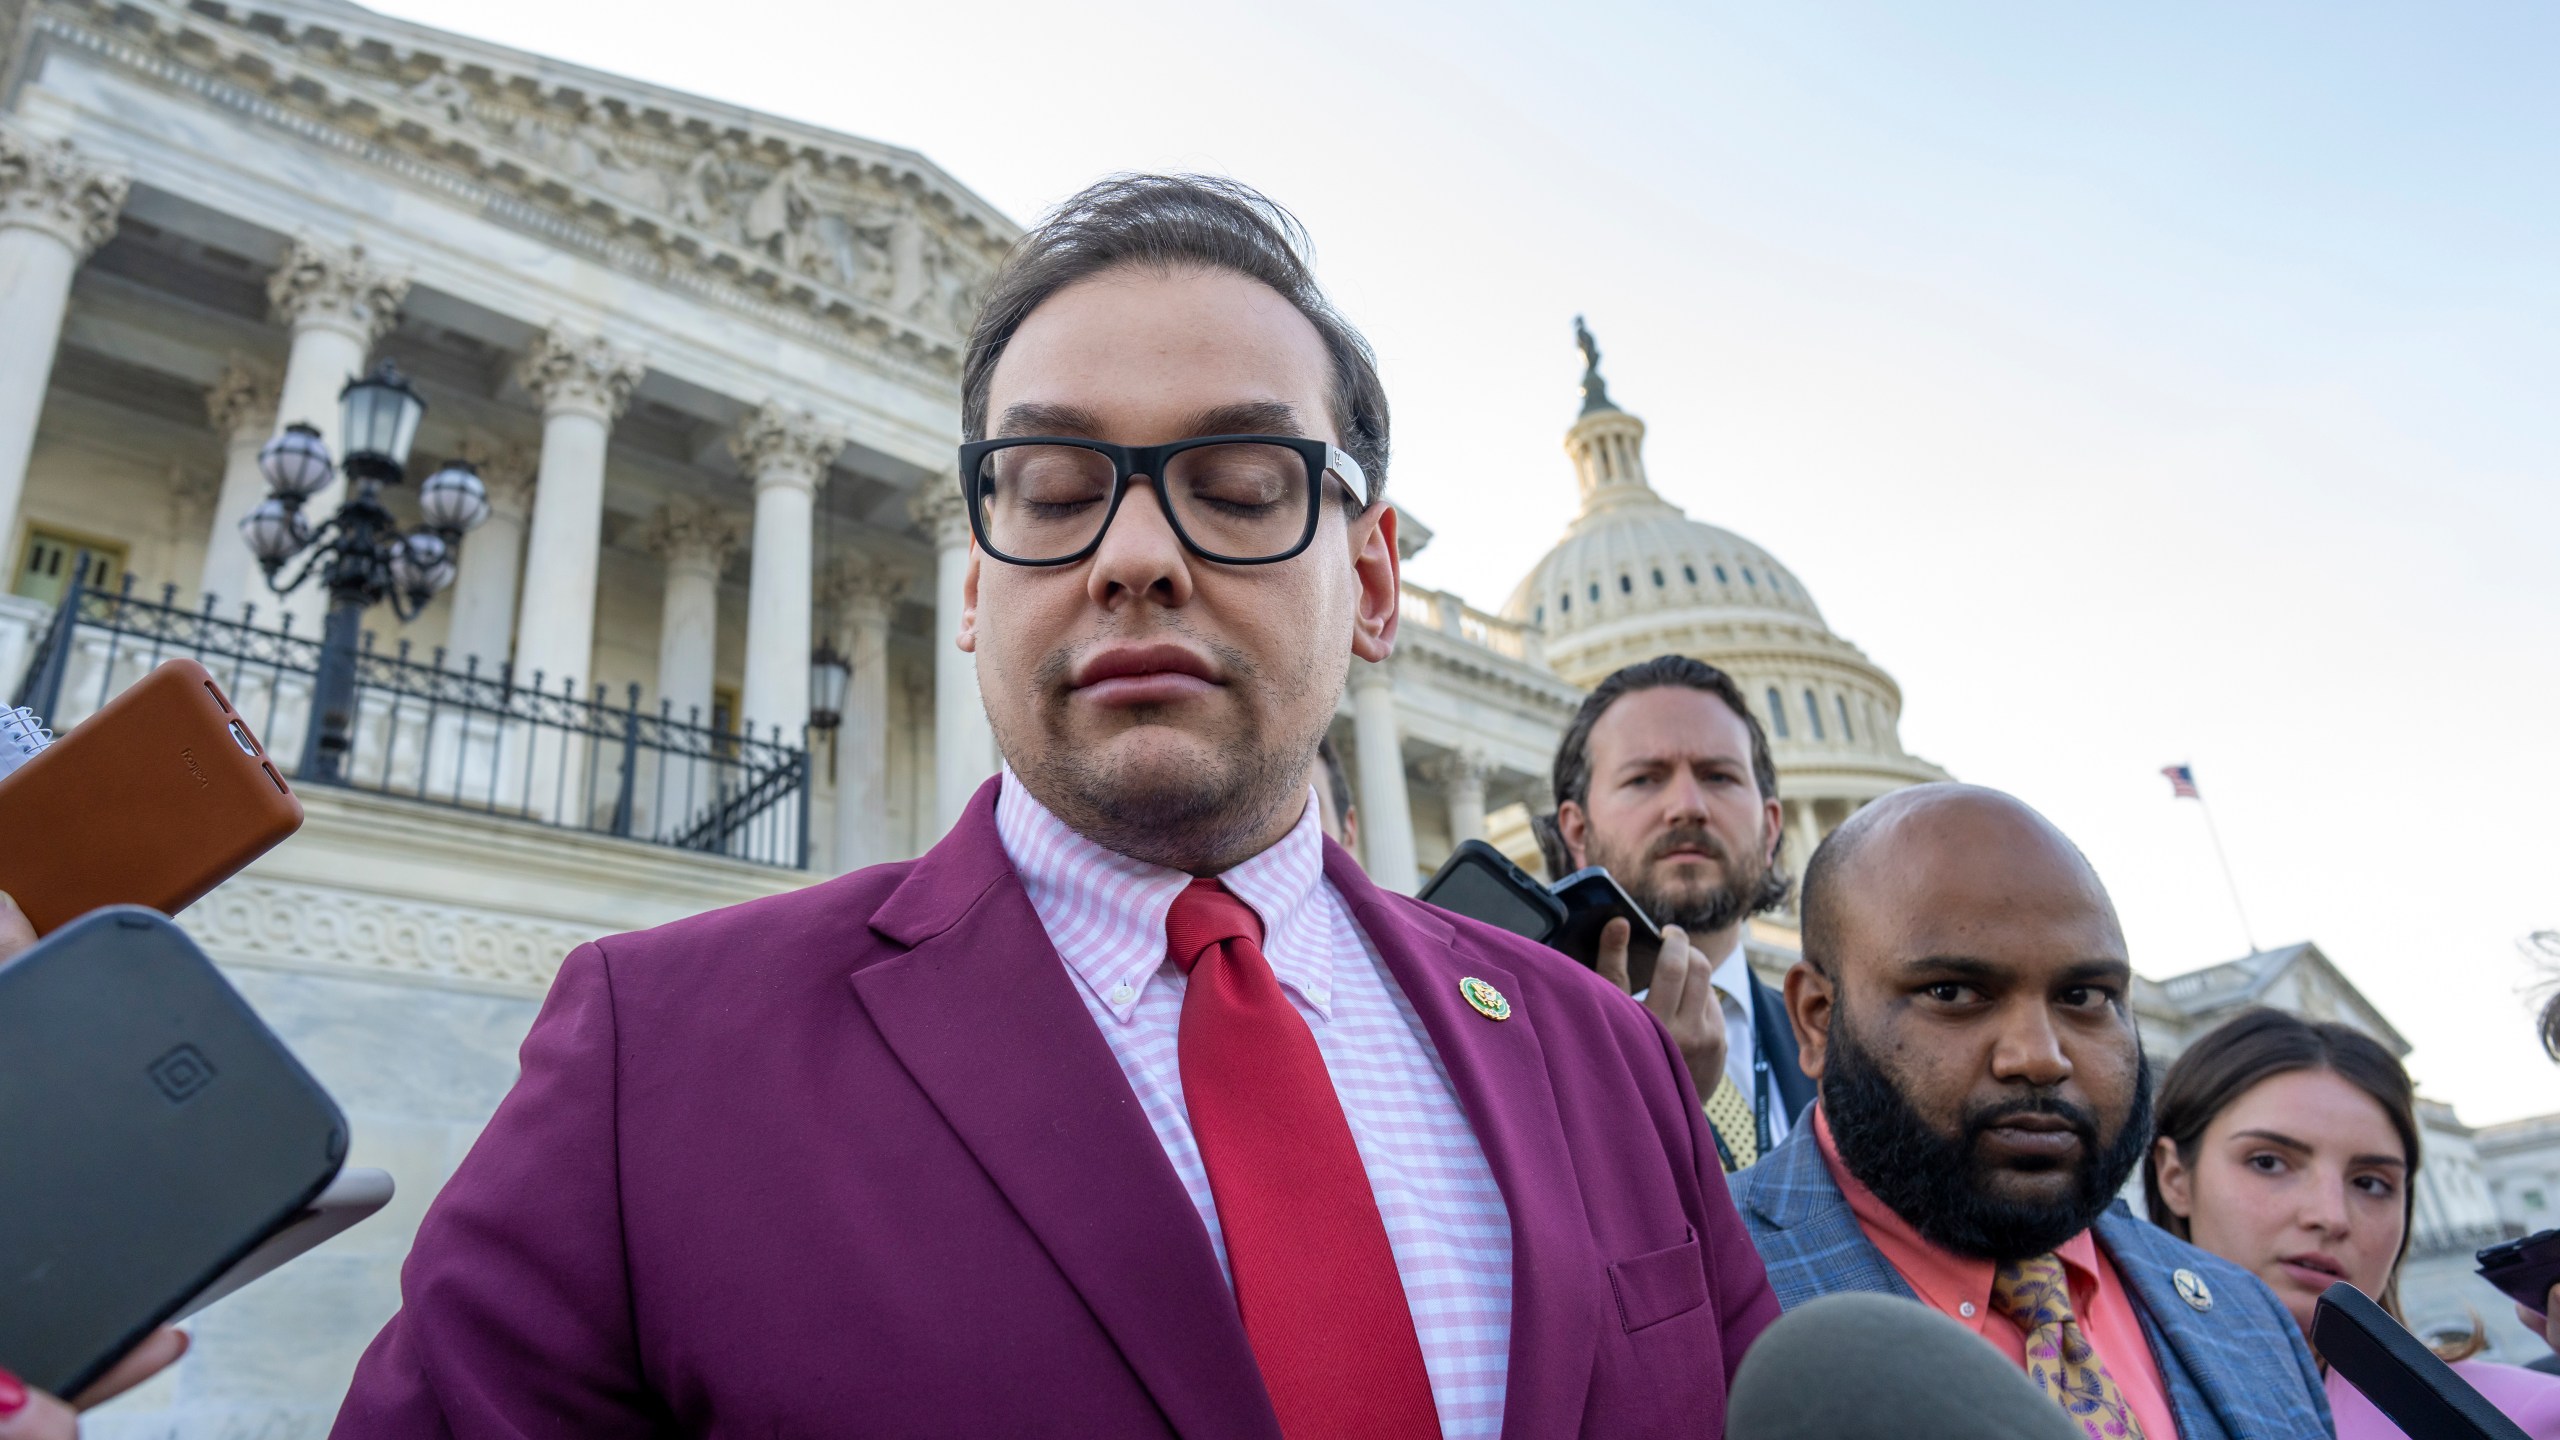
pixel 359 554
pixel 829 672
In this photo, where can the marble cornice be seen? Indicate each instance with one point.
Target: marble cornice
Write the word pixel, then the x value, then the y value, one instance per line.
pixel 264 75
pixel 353 36
pixel 1731 645
pixel 1469 661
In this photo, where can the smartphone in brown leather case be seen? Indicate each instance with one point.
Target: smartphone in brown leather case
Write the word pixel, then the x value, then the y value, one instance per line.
pixel 158 797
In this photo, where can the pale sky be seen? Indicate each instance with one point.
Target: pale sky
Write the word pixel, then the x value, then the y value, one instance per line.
pixel 2136 384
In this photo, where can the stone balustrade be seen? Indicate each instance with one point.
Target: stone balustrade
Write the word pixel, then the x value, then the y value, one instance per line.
pixel 1440 610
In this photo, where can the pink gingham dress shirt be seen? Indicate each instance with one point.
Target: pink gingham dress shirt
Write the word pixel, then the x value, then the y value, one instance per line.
pixel 1444 1214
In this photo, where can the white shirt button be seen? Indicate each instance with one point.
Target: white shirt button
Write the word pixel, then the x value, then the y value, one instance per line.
pixel 1965 1309
pixel 1121 994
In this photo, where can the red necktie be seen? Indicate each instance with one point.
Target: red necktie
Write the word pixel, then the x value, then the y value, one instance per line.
pixel 1316 1283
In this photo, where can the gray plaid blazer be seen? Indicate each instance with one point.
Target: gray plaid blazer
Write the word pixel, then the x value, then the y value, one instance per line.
pixel 2235 1371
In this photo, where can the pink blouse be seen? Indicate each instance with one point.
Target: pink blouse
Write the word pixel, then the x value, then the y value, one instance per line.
pixel 2528 1397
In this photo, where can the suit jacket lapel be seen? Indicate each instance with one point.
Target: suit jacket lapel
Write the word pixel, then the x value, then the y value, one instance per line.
pixel 1500 1074
pixel 983 1014
pixel 1771 1029
pixel 1809 1238
pixel 2191 1379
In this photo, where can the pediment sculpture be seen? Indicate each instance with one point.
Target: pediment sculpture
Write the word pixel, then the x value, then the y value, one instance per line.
pixel 840 230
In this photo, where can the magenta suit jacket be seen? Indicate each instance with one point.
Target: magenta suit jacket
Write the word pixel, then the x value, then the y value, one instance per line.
pixel 855 1161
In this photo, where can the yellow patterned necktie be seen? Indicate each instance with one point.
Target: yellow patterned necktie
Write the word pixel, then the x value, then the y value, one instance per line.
pixel 1731 1115
pixel 2034 1294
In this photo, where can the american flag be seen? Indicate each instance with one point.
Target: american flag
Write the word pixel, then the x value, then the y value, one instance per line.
pixel 2182 782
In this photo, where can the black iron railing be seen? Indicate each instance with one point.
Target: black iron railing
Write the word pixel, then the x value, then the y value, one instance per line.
pixel 527 748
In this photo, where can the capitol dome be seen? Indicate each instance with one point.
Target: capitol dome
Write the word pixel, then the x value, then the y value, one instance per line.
pixel 1635 577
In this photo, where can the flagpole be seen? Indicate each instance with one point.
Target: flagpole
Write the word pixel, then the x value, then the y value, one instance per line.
pixel 2228 882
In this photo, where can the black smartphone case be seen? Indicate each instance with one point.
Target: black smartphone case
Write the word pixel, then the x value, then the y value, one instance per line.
pixel 1592 898
pixel 1481 883
pixel 2399 1374
pixel 155 1131
pixel 2525 1269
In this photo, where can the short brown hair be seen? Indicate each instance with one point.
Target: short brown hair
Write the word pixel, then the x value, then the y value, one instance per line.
pixel 1174 222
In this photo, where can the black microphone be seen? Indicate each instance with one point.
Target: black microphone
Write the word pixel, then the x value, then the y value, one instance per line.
pixel 2395 1370
pixel 1879 1367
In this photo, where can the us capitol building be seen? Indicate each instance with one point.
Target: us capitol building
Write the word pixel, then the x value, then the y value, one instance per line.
pixel 705 361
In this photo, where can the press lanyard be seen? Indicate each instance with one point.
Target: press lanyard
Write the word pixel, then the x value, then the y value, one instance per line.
pixel 1760 1083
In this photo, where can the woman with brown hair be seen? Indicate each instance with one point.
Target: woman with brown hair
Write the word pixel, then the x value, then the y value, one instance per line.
pixel 2290 1147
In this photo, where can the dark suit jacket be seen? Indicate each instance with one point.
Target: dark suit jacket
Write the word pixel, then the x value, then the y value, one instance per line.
pixel 2236 1370
pixel 1776 1037
pixel 854 1160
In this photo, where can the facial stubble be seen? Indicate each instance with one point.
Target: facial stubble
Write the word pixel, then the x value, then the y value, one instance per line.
pixel 1163 808
pixel 1736 896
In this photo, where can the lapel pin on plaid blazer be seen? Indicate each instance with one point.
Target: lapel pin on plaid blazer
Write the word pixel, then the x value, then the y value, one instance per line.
pixel 2192 1289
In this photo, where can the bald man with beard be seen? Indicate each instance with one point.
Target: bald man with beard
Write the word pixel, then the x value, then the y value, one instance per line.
pixel 1963 1006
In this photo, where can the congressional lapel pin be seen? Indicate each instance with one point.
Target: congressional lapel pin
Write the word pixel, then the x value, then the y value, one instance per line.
pixel 1488 1001
pixel 2192 1289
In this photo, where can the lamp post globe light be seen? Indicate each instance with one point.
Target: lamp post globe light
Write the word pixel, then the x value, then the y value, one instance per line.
pixel 359 555
pixel 829 673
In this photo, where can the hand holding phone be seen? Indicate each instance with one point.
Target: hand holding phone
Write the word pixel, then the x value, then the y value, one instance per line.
pixel 154 800
pixel 2527 1270
pixel 1593 900
pixel 1481 883
pixel 167 1132
pixel 16 931
pixel 1682 996
pixel 40 1416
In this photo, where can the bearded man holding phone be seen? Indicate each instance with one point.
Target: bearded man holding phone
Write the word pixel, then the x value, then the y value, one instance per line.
pixel 1665 780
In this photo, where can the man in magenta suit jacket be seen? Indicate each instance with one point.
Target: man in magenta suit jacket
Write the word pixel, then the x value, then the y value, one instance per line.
pixel 865 1158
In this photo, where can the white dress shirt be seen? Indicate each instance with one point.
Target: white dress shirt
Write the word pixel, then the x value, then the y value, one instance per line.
pixel 1444 1214
pixel 1732 979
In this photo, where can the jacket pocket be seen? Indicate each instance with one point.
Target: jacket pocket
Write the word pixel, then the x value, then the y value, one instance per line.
pixel 1657 1287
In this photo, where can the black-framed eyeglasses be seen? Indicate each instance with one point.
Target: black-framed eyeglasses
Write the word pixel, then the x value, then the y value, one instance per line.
pixel 1233 499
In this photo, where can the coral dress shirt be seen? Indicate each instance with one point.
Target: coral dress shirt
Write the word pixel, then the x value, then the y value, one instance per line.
pixel 1959 1288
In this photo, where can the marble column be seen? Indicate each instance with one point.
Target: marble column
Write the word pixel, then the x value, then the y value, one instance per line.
pixel 1462 775
pixel 583 381
pixel 865 601
pixel 1386 811
pixel 786 454
pixel 492 565
pixel 340 302
pixel 964 752
pixel 242 407
pixel 1804 835
pixel 695 541
pixel 56 207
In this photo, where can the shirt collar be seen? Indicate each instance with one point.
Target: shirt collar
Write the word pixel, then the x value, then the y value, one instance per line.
pixel 1944 1279
pixel 1732 977
pixel 1105 912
